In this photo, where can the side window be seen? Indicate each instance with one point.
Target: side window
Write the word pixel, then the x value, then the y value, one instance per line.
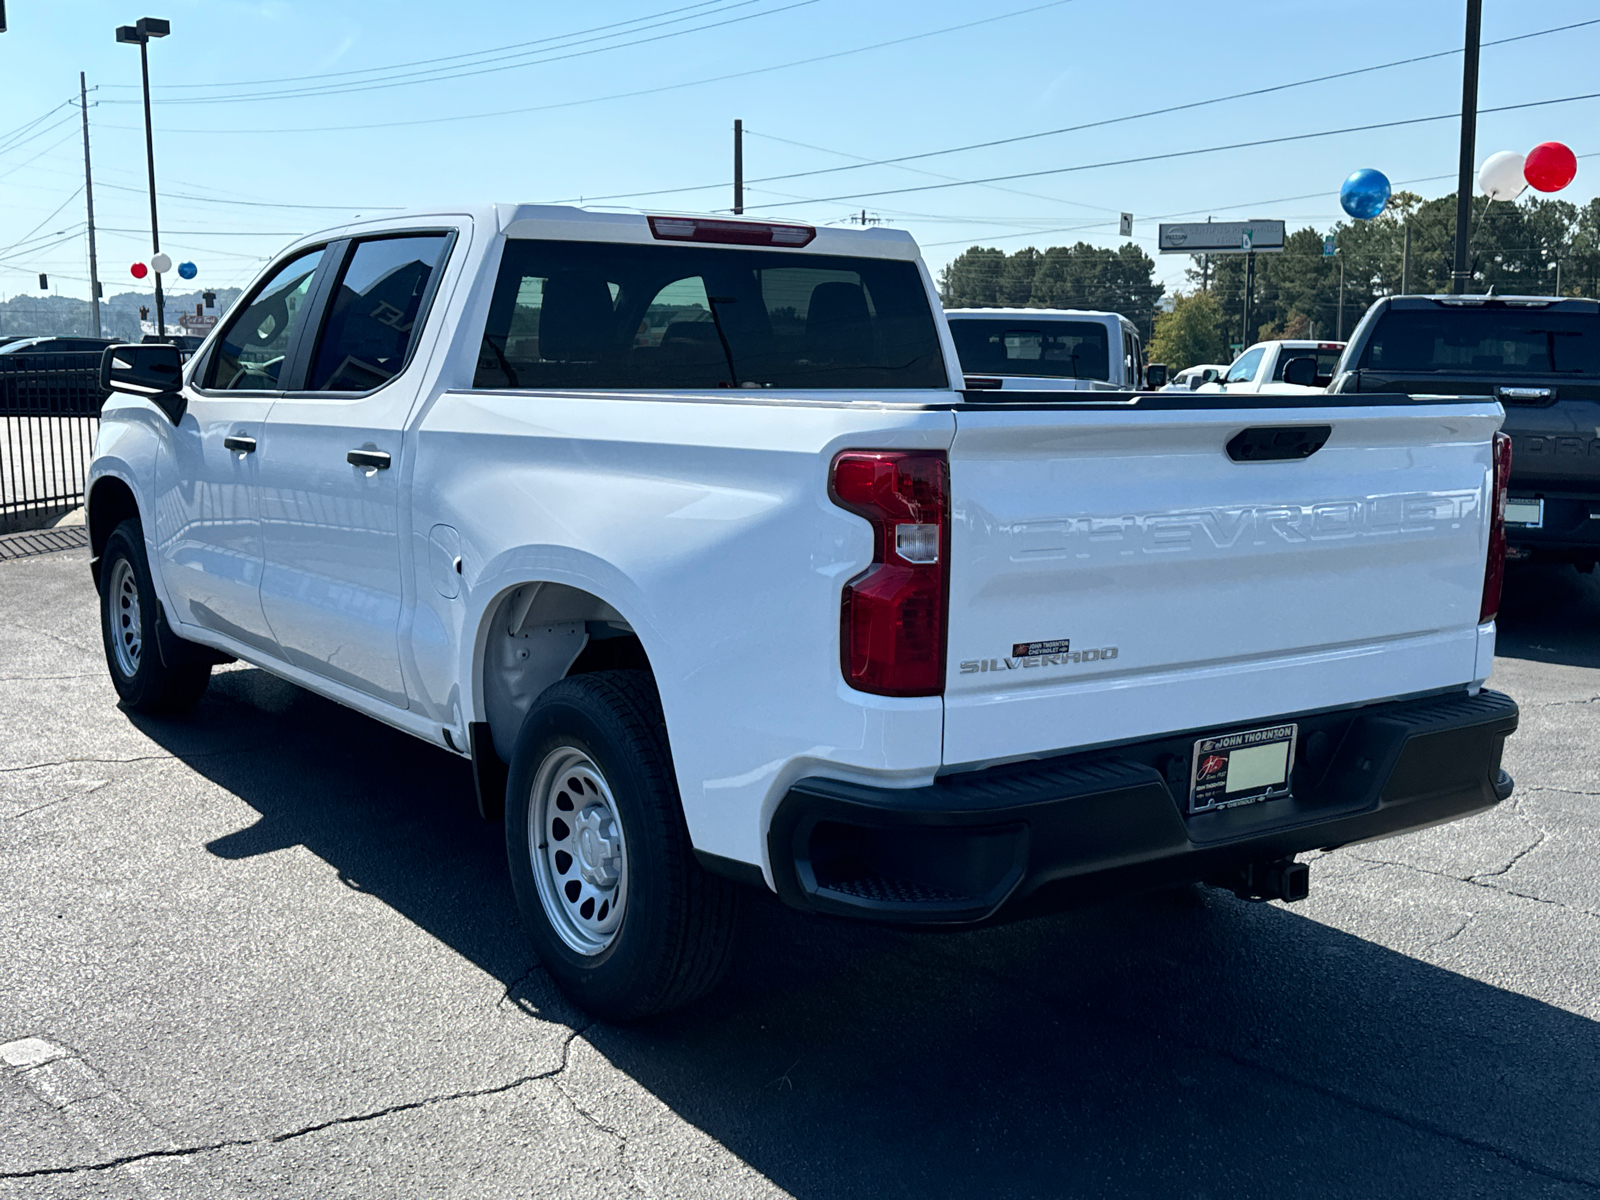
pixel 1245 369
pixel 375 313
pixel 249 354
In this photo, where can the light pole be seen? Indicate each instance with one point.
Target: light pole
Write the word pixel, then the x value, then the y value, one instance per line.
pixel 141 33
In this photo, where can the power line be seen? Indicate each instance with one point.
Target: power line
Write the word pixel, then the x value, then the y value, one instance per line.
pixel 75 193
pixel 400 81
pixel 1193 104
pixel 1159 112
pixel 670 87
pixel 262 203
pixel 70 118
pixel 1215 208
pixel 53 146
pixel 1150 158
pixel 23 128
pixel 422 62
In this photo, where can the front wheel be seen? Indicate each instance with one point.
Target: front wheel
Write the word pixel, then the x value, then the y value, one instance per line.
pixel 621 914
pixel 129 612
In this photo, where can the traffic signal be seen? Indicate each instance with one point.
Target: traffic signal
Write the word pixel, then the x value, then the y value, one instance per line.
pixel 44 282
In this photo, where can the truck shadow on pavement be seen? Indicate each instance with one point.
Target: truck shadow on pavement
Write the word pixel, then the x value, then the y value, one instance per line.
pixel 1177 1044
pixel 1550 613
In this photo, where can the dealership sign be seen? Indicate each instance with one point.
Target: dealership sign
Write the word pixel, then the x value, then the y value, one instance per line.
pixel 1222 237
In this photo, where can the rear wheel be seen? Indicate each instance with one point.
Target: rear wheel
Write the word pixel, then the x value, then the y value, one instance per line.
pixel 623 917
pixel 129 614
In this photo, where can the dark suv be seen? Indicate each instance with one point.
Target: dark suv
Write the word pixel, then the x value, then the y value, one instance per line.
pixel 1540 357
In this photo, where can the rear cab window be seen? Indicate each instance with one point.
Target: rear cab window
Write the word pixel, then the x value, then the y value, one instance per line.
pixel 1326 360
pixel 1485 340
pixel 602 315
pixel 1055 349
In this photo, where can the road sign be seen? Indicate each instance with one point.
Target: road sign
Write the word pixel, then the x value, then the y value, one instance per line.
pixel 1328 247
pixel 1222 237
pixel 1125 227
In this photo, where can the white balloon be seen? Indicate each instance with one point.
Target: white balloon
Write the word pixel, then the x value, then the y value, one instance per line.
pixel 1500 177
pixel 162 264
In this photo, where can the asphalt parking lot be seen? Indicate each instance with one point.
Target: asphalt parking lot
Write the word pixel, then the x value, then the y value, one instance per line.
pixel 269 950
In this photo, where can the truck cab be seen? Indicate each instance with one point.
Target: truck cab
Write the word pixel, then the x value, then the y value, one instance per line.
pixel 1280 367
pixel 1047 349
pixel 1539 356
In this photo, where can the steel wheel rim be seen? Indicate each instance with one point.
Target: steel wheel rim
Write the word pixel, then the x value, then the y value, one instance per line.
pixel 577 850
pixel 127 627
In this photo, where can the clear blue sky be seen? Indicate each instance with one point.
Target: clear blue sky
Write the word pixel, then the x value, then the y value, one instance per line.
pixel 230 165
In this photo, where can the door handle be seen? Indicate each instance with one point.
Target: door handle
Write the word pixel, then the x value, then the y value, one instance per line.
pixel 239 443
pixel 375 459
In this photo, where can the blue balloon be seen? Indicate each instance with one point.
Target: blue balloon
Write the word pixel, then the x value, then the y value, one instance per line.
pixel 1364 194
pixel 188 270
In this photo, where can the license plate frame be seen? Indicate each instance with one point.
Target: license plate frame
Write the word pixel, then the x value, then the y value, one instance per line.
pixel 1263 771
pixel 1521 505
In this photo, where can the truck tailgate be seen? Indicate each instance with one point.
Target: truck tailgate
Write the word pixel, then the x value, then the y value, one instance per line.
pixel 1115 574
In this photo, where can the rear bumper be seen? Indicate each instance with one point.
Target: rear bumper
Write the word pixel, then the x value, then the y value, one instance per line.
pixel 1010 840
pixel 1571 527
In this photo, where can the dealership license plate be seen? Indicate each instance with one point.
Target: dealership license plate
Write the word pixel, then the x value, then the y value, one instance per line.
pixel 1241 768
pixel 1527 513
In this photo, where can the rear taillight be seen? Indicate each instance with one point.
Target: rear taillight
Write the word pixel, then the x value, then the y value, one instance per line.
pixel 1495 571
pixel 892 616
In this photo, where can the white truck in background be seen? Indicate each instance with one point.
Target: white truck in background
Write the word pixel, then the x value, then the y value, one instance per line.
pixel 1047 349
pixel 1283 367
pixel 688 533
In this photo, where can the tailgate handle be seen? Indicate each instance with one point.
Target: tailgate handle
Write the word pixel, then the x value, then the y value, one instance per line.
pixel 1278 443
pixel 1525 395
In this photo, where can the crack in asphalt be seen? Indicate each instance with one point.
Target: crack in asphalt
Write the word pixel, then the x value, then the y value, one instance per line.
pixel 317 1127
pixel 1563 791
pixel 1480 881
pixel 624 1151
pixel 1515 858
pixel 44 678
pixel 137 758
pixel 1454 934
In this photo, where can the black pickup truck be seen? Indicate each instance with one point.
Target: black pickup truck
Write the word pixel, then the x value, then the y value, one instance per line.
pixel 1540 357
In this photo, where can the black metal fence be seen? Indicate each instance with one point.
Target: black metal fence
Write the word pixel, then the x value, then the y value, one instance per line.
pixel 49 416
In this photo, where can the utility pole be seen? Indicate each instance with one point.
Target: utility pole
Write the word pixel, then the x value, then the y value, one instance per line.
pixel 738 168
pixel 1249 295
pixel 1340 336
pixel 1462 275
pixel 1405 264
pixel 88 195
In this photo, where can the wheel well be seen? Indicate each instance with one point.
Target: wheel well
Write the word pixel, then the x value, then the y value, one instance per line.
pixel 540 633
pixel 110 504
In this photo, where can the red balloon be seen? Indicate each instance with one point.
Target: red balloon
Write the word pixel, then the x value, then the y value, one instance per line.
pixel 1550 167
pixel 139 270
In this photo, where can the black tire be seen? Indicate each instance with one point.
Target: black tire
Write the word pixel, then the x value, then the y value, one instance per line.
pixel 129 619
pixel 674 936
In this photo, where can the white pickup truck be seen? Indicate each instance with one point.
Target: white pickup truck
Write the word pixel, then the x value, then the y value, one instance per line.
pixel 1047 349
pixel 1280 367
pixel 687 533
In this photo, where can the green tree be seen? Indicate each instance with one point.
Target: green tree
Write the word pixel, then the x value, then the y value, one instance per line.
pixel 1080 276
pixel 1191 333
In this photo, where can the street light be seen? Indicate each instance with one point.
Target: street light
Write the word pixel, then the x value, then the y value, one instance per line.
pixel 140 34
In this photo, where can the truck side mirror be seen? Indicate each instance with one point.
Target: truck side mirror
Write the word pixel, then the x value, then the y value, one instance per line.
pixel 153 370
pixel 1155 376
pixel 1196 382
